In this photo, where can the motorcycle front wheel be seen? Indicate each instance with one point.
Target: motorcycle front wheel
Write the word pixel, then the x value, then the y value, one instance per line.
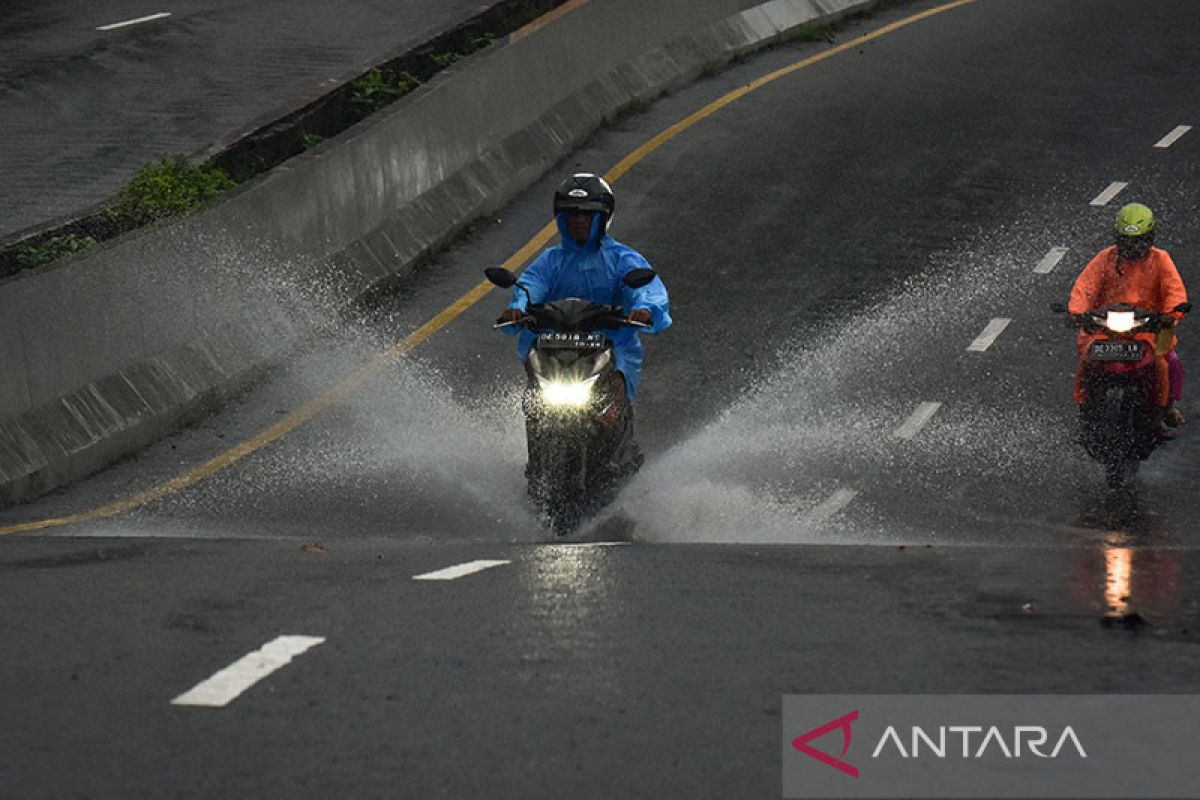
pixel 556 489
pixel 1118 473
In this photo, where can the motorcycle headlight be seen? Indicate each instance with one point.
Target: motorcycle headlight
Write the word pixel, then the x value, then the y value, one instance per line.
pixel 1120 321
pixel 567 393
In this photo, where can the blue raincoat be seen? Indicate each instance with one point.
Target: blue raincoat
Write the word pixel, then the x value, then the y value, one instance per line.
pixel 593 271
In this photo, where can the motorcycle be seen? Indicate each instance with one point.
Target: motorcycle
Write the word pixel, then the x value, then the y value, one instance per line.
pixel 578 425
pixel 1120 416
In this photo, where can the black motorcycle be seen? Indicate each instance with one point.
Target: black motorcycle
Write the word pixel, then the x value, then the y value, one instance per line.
pixel 1119 421
pixel 578 425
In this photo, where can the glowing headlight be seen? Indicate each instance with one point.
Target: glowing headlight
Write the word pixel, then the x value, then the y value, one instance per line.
pixel 1120 321
pixel 576 393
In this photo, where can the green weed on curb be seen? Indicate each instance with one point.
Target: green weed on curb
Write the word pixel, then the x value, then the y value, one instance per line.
pixel 53 249
pixel 166 188
pixel 377 88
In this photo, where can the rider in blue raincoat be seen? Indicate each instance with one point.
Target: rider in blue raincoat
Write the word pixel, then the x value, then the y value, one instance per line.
pixel 590 264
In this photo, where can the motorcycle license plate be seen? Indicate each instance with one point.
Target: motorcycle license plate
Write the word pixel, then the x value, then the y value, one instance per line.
pixel 1116 351
pixel 573 341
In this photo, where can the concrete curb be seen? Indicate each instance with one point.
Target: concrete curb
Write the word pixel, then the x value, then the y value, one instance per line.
pixel 106 353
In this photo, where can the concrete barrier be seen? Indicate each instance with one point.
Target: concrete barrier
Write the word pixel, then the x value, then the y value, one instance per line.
pixel 103 354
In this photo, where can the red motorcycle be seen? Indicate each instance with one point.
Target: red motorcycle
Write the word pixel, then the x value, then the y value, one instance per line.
pixel 1120 418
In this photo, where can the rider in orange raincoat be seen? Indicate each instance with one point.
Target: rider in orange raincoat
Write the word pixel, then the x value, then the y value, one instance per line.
pixel 1133 271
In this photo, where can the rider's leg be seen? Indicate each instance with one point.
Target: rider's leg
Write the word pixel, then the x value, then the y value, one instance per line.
pixel 1164 381
pixel 1174 417
pixel 627 456
pixel 1164 397
pixel 620 400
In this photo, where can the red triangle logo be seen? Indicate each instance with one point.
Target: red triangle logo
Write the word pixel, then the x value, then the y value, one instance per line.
pixel 843 723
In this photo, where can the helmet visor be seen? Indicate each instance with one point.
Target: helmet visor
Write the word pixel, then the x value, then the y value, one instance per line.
pixel 569 204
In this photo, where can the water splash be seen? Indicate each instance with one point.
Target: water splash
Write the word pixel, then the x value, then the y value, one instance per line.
pixel 824 420
pixel 403 450
pixel 410 448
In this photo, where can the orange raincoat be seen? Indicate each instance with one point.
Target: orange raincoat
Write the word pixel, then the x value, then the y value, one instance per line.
pixel 1152 283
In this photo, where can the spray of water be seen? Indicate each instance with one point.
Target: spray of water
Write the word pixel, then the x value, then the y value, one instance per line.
pixel 402 453
pixel 403 450
pixel 824 423
pixel 763 472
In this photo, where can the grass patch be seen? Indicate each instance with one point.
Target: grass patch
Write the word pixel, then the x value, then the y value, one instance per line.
pixel 471 45
pixel 378 87
pixel 166 188
pixel 52 249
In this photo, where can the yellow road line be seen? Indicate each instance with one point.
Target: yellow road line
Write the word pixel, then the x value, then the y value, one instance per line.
pixel 456 309
pixel 670 133
pixel 546 19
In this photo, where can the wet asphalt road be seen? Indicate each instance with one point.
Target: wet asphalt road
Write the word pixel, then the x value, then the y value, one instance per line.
pixel 81 109
pixel 833 243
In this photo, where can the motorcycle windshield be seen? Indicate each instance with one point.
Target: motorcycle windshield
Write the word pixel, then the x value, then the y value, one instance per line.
pixel 574 315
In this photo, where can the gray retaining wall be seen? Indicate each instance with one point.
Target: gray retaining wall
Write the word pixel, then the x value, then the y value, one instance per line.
pixel 105 353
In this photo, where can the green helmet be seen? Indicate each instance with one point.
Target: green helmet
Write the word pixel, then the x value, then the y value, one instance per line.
pixel 1135 219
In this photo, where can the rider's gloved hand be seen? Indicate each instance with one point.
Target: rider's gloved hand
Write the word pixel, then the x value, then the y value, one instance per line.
pixel 512 315
pixel 641 315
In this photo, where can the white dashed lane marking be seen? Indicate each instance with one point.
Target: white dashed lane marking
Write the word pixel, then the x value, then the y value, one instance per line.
pixel 989 335
pixel 1050 260
pixel 137 21
pixel 459 571
pixel 223 687
pixel 836 502
pixel 1105 197
pixel 919 419
pixel 1173 137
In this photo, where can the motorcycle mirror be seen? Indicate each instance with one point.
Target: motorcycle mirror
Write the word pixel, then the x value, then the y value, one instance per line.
pixel 1183 308
pixel 501 277
pixel 1058 308
pixel 637 278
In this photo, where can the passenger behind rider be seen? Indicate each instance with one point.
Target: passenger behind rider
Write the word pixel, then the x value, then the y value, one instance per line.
pixel 1135 272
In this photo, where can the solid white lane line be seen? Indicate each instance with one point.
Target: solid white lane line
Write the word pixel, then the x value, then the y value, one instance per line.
pixel 1173 137
pixel 989 335
pixel 835 503
pixel 224 686
pixel 452 573
pixel 1114 189
pixel 137 21
pixel 1050 260
pixel 919 419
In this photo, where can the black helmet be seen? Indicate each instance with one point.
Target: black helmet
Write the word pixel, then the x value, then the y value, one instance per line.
pixel 585 192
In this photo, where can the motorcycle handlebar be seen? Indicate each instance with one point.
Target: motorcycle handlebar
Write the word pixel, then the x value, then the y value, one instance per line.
pixel 1092 319
pixel 1095 321
pixel 527 322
